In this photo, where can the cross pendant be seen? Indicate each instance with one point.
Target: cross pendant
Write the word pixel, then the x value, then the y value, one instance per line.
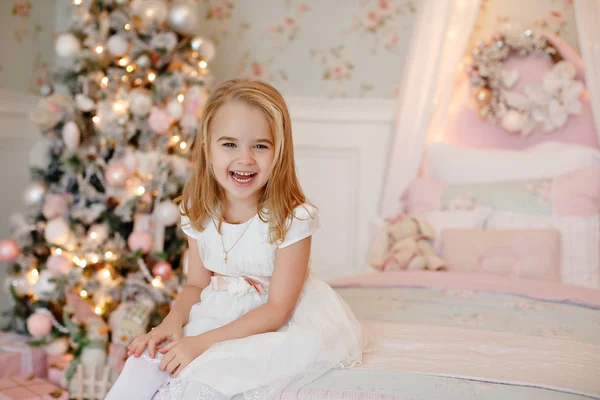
pixel 225 257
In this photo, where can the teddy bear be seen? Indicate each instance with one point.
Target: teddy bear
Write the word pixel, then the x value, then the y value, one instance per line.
pixel 405 243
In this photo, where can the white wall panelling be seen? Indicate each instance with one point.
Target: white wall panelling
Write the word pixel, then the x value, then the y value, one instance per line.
pixel 341 150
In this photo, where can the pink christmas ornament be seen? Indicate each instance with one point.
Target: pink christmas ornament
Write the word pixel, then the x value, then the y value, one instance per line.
pixel 58 264
pixel 55 205
pixel 39 324
pixel 163 269
pixel 140 241
pixel 9 250
pixel 116 175
pixel 159 120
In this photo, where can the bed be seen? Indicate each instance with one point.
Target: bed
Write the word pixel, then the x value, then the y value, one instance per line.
pixel 459 337
pixel 526 333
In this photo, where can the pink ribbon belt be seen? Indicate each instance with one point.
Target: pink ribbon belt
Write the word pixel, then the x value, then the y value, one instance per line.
pixel 240 285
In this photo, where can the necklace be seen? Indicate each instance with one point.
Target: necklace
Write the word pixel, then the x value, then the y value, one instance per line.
pixel 226 252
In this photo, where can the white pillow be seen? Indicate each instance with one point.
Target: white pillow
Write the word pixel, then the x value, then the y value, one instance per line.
pixel 441 220
pixel 580 240
pixel 456 164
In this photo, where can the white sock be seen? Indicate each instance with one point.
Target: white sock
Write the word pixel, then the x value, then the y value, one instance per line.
pixel 139 380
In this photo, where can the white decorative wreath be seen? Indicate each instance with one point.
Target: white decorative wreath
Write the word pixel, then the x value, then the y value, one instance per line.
pixel 545 105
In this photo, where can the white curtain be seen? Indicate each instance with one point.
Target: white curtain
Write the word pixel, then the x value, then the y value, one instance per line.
pixel 587 17
pixel 439 40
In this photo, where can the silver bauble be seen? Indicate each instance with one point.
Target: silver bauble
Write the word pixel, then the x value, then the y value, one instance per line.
pixel 45 90
pixel 167 213
pixel 67 45
pixel 204 47
pixel 140 102
pixel 117 45
pixel 150 12
pixel 143 61
pixel 183 17
pixel 34 194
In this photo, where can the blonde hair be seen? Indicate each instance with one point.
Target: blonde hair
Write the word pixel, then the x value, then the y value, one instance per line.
pixel 202 195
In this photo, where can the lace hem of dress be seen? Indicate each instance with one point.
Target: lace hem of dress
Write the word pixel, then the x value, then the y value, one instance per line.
pixel 175 389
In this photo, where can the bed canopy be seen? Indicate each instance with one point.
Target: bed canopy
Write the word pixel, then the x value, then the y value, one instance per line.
pixel 433 90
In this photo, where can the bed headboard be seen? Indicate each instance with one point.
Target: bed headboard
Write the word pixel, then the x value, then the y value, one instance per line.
pixel 465 128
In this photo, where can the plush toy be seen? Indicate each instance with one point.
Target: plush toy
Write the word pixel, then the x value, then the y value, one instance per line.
pixel 405 242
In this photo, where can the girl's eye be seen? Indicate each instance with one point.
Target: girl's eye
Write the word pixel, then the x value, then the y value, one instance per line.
pixel 229 144
pixel 261 146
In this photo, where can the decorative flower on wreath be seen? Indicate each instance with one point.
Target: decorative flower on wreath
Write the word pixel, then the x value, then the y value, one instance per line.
pixel 544 106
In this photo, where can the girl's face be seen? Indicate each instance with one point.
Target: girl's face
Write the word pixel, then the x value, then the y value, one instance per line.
pixel 241 150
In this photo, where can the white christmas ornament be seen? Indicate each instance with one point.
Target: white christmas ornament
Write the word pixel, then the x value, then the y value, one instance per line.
pixel 117 45
pixel 84 103
pixel 130 160
pixel 151 12
pixel 21 285
pixel 45 288
pixel 67 45
pixel 34 194
pixel 167 213
pixel 71 135
pixel 57 231
pixel 183 17
pixel 175 109
pixel 204 47
pixel 140 102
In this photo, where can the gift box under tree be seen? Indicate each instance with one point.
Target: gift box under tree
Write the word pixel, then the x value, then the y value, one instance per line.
pixel 18 358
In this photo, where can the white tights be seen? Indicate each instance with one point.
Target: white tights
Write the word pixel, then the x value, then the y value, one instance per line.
pixel 139 380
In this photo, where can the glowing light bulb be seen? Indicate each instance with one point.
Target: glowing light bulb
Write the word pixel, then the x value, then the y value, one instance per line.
pixel 93 235
pixel 151 76
pixel 129 68
pixel 183 145
pixel 76 260
pixel 156 282
pixel 83 293
pixel 127 27
pixel 180 98
pixel 82 263
pixel 202 64
pixel 98 310
pixel 96 119
pixel 95 259
pixel 99 49
pixel 104 81
pixel 106 273
pixel 58 251
pixel 77 2
pixel 108 254
pixel 35 273
pixel 141 190
pixel 175 138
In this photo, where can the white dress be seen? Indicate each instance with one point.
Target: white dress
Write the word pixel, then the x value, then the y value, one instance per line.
pixel 321 334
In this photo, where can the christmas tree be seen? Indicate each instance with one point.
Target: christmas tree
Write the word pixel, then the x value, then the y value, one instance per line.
pixel 99 244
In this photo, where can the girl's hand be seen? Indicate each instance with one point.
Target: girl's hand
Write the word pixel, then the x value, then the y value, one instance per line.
pixel 169 329
pixel 181 352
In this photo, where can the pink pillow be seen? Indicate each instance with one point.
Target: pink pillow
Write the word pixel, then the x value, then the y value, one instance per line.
pixel 575 193
pixel 519 253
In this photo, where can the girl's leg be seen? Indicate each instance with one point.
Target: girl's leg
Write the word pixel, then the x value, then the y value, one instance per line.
pixel 139 380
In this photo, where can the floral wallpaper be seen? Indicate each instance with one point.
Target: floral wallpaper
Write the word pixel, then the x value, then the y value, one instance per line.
pixel 27 28
pixel 333 48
